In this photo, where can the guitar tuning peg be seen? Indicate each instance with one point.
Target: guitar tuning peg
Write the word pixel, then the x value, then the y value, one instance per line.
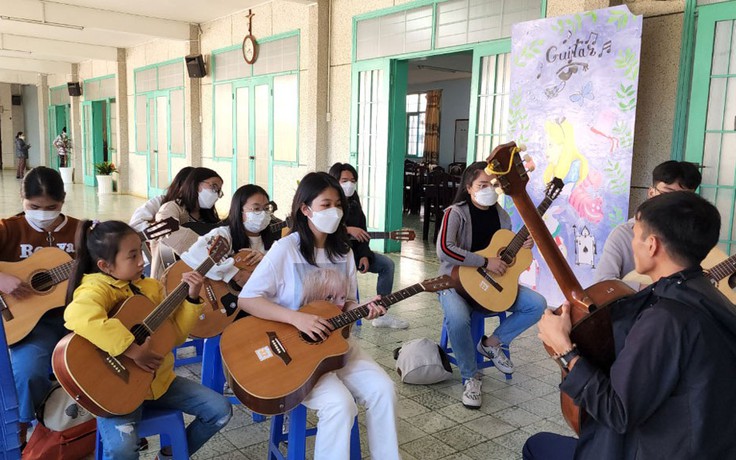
pixel 494 182
pixel 521 147
pixel 529 163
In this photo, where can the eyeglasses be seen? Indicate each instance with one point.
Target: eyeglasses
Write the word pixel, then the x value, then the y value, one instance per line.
pixel 215 188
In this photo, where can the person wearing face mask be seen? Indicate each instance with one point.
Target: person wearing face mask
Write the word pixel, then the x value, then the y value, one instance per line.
pixel 40 225
pixel 468 226
pixel 21 153
pixel 195 202
pixel 319 240
pixel 365 259
pixel 247 228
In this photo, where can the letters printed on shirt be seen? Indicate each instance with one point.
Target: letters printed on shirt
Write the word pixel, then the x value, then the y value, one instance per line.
pixel 26 250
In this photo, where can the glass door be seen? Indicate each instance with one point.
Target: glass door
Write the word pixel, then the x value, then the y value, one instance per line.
pixel 261 147
pixel 158 144
pixel 243 169
pixel 711 134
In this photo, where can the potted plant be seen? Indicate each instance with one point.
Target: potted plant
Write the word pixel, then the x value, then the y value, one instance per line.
pixel 65 162
pixel 104 177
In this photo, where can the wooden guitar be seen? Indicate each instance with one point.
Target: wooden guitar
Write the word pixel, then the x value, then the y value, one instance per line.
pixel 493 292
pixel 272 366
pixel 49 285
pixel 220 298
pixel 404 234
pixel 590 308
pixel 114 385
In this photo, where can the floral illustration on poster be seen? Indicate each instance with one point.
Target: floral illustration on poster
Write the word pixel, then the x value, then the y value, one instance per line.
pixel 574 82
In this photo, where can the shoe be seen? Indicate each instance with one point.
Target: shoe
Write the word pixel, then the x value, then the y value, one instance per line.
pixel 496 354
pixel 142 445
pixel 390 321
pixel 472 397
pixel 163 456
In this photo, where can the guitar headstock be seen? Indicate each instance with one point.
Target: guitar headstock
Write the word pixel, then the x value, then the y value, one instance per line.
pixel 219 249
pixel 438 284
pixel 161 228
pixel 404 234
pixel 554 188
pixel 507 166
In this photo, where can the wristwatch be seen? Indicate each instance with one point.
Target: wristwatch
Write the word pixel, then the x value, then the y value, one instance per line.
pixel 566 358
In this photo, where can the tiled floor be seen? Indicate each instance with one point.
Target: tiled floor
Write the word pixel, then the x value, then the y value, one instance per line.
pixel 433 424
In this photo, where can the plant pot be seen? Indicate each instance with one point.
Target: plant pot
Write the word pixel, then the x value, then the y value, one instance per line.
pixel 104 185
pixel 67 174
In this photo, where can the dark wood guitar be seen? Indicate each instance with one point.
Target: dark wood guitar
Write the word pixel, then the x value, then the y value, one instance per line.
pixel 220 298
pixel 272 366
pixel 114 385
pixel 49 285
pixel 493 292
pixel 590 308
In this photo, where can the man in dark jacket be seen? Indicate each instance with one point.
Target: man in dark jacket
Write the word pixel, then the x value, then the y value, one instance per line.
pixel 21 153
pixel 670 391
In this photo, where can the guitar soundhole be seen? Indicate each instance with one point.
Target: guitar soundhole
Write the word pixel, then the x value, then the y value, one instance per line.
pixel 310 340
pixel 42 281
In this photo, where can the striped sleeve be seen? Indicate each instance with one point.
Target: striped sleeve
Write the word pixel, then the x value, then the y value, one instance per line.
pixel 448 248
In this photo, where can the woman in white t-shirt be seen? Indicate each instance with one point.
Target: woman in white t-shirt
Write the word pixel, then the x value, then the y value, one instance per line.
pixel 318 239
pixel 247 226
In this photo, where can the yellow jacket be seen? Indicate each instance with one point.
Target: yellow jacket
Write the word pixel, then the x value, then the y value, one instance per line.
pixel 87 315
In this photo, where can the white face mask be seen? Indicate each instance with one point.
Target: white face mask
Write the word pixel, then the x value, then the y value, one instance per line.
pixel 326 220
pixel 486 196
pixel 348 187
pixel 41 218
pixel 256 221
pixel 207 198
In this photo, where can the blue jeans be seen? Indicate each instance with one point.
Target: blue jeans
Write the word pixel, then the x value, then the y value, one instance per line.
pixel 384 266
pixel 527 309
pixel 549 446
pixel 211 409
pixel 31 361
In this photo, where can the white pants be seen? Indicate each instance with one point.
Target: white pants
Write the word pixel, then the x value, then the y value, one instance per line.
pixel 363 381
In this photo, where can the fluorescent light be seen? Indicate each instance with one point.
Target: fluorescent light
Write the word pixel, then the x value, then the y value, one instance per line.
pixel 42 23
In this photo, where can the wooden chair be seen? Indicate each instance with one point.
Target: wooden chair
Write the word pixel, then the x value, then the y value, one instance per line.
pixel 456 168
pixel 438 195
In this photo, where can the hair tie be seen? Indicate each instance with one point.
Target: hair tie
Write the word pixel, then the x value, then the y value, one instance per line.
pixel 94 224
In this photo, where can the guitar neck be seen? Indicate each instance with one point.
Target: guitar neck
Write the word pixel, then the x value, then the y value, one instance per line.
pixel 278 226
pixel 380 235
pixel 723 269
pixel 562 272
pixel 62 272
pixel 355 314
pixel 514 246
pixel 173 300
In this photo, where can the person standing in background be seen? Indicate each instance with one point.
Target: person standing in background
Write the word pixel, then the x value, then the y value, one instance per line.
pixel 21 152
pixel 63 147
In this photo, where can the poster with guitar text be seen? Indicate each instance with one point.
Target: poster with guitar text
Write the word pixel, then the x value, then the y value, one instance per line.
pixel 572 102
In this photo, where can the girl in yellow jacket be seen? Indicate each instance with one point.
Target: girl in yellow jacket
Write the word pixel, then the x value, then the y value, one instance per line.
pixel 108 270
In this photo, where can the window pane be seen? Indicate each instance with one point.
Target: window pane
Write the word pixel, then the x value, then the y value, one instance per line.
pixel 223 121
pixel 412 102
pixel 178 141
pixel 285 116
pixel 423 102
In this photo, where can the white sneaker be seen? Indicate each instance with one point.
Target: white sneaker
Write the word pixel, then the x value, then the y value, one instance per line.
pixel 496 354
pixel 472 397
pixel 390 321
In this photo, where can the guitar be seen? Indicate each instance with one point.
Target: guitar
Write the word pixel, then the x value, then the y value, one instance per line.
pixel 404 234
pixel 272 366
pixel 493 292
pixel 717 266
pixel 590 310
pixel 220 298
pixel 49 285
pixel 114 385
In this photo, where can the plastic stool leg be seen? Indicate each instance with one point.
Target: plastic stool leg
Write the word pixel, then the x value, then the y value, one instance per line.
pixel 297 437
pixel 355 441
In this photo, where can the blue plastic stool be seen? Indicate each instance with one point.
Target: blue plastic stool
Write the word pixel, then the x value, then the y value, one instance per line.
pixel 198 345
pixel 9 415
pixel 477 330
pixel 168 424
pixel 213 376
pixel 296 438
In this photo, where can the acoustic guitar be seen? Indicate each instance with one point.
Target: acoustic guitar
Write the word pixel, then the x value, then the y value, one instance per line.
pixel 717 266
pixel 114 385
pixel 493 292
pixel 49 285
pixel 404 234
pixel 590 308
pixel 271 366
pixel 220 298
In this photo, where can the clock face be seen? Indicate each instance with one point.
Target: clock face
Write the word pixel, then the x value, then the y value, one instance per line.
pixel 250 49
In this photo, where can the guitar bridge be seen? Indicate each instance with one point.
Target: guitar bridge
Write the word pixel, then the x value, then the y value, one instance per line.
pixel 117 366
pixel 278 348
pixel 486 276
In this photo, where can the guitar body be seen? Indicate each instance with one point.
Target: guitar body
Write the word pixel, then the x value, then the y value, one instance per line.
pixel 488 291
pixel 104 385
pixel 22 316
pixel 271 368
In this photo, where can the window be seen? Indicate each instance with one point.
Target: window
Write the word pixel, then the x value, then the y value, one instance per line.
pixel 416 107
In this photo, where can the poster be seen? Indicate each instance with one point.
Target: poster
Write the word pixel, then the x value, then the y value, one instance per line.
pixel 574 83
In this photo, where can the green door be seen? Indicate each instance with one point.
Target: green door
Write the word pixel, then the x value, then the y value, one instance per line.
pixel 711 133
pixel 93 132
pixel 57 121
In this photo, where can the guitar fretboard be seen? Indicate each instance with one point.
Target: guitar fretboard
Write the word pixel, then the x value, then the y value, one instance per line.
pixel 62 272
pixel 517 242
pixel 723 269
pixel 355 314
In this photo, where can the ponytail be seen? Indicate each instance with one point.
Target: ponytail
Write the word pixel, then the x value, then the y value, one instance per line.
pixel 95 241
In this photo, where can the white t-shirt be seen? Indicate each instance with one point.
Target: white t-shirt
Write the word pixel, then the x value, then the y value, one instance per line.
pixel 144 214
pixel 279 276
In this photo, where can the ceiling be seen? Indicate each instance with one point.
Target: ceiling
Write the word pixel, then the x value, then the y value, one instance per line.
pixel 456 66
pixel 47 36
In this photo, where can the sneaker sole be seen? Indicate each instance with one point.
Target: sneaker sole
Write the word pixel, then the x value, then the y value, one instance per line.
pixel 471 407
